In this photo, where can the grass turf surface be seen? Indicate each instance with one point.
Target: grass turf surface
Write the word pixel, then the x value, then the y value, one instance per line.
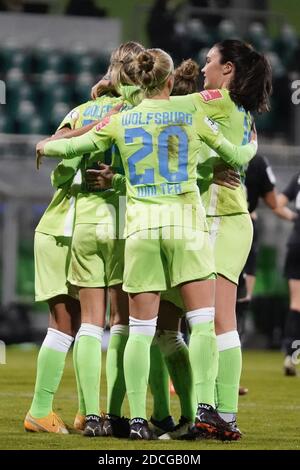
pixel 268 417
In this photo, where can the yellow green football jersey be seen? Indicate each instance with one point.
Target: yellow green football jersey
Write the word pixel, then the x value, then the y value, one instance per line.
pixel 158 142
pixel 58 219
pixel 235 124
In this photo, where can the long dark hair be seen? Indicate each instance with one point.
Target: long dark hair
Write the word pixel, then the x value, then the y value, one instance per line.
pixel 251 86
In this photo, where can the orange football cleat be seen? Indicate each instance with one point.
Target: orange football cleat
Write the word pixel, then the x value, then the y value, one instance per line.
pixel 50 423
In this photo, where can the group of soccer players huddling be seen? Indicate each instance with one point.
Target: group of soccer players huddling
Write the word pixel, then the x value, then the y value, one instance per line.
pixel 144 217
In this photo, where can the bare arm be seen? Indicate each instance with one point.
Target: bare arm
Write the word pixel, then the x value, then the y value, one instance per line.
pixel 282 211
pixel 270 199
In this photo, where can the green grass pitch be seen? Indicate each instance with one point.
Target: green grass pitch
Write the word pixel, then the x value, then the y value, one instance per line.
pixel 269 414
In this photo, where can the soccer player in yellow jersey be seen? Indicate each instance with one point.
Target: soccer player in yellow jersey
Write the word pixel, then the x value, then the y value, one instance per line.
pixel 159 149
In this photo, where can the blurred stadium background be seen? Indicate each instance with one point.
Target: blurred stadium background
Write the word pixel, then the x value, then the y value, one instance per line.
pixel 53 51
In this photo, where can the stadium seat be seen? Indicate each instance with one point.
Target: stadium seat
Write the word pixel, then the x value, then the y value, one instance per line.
pixel 53 61
pixel 14 82
pixel 257 35
pixel 286 44
pixel 277 67
pixel 6 124
pixel 75 56
pixel 226 30
pixel 14 79
pixel 12 56
pixel 85 63
pixel 61 93
pixel 58 113
pixel 52 89
pixel 28 122
pixel 102 62
pixel 83 86
pixel 20 93
pixel 197 33
pixel 35 125
pixel 19 59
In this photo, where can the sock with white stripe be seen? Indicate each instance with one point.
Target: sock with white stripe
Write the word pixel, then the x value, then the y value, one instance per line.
pixel 50 367
pixel 229 373
pixel 203 353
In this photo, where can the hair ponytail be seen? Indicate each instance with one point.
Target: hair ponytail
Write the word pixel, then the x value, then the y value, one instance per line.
pixel 186 78
pixel 251 85
pixel 151 68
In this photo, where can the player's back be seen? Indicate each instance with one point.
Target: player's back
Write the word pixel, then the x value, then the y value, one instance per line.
pixel 159 149
pixel 235 124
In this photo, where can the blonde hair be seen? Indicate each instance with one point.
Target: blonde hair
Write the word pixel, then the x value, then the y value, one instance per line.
pixel 120 57
pixel 186 78
pixel 151 68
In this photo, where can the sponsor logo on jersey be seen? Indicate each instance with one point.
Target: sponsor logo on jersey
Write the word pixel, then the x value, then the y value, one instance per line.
pixel 209 95
pixel 103 123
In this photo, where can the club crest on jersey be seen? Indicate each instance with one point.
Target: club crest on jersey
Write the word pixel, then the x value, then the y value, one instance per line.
pixel 209 95
pixel 103 123
pixel 213 125
pixel 74 115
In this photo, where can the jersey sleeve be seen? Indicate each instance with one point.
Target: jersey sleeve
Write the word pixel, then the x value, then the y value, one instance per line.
pixel 70 119
pixel 97 139
pixel 292 189
pixel 70 148
pixel 119 183
pixel 232 154
pixel 131 93
pixel 213 103
pixel 64 171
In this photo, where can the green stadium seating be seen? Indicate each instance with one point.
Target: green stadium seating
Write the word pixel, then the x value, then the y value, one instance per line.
pixel 102 63
pixel 53 61
pixel 34 125
pixel 52 89
pixel 197 33
pixel 85 63
pixel 75 55
pixel 286 45
pixel 27 119
pixel 257 36
pixel 226 30
pixel 19 59
pixel 20 93
pixel 83 87
pixel 57 114
pixel 6 124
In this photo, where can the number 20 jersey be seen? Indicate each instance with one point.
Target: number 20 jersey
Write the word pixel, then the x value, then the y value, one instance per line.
pixel 159 147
